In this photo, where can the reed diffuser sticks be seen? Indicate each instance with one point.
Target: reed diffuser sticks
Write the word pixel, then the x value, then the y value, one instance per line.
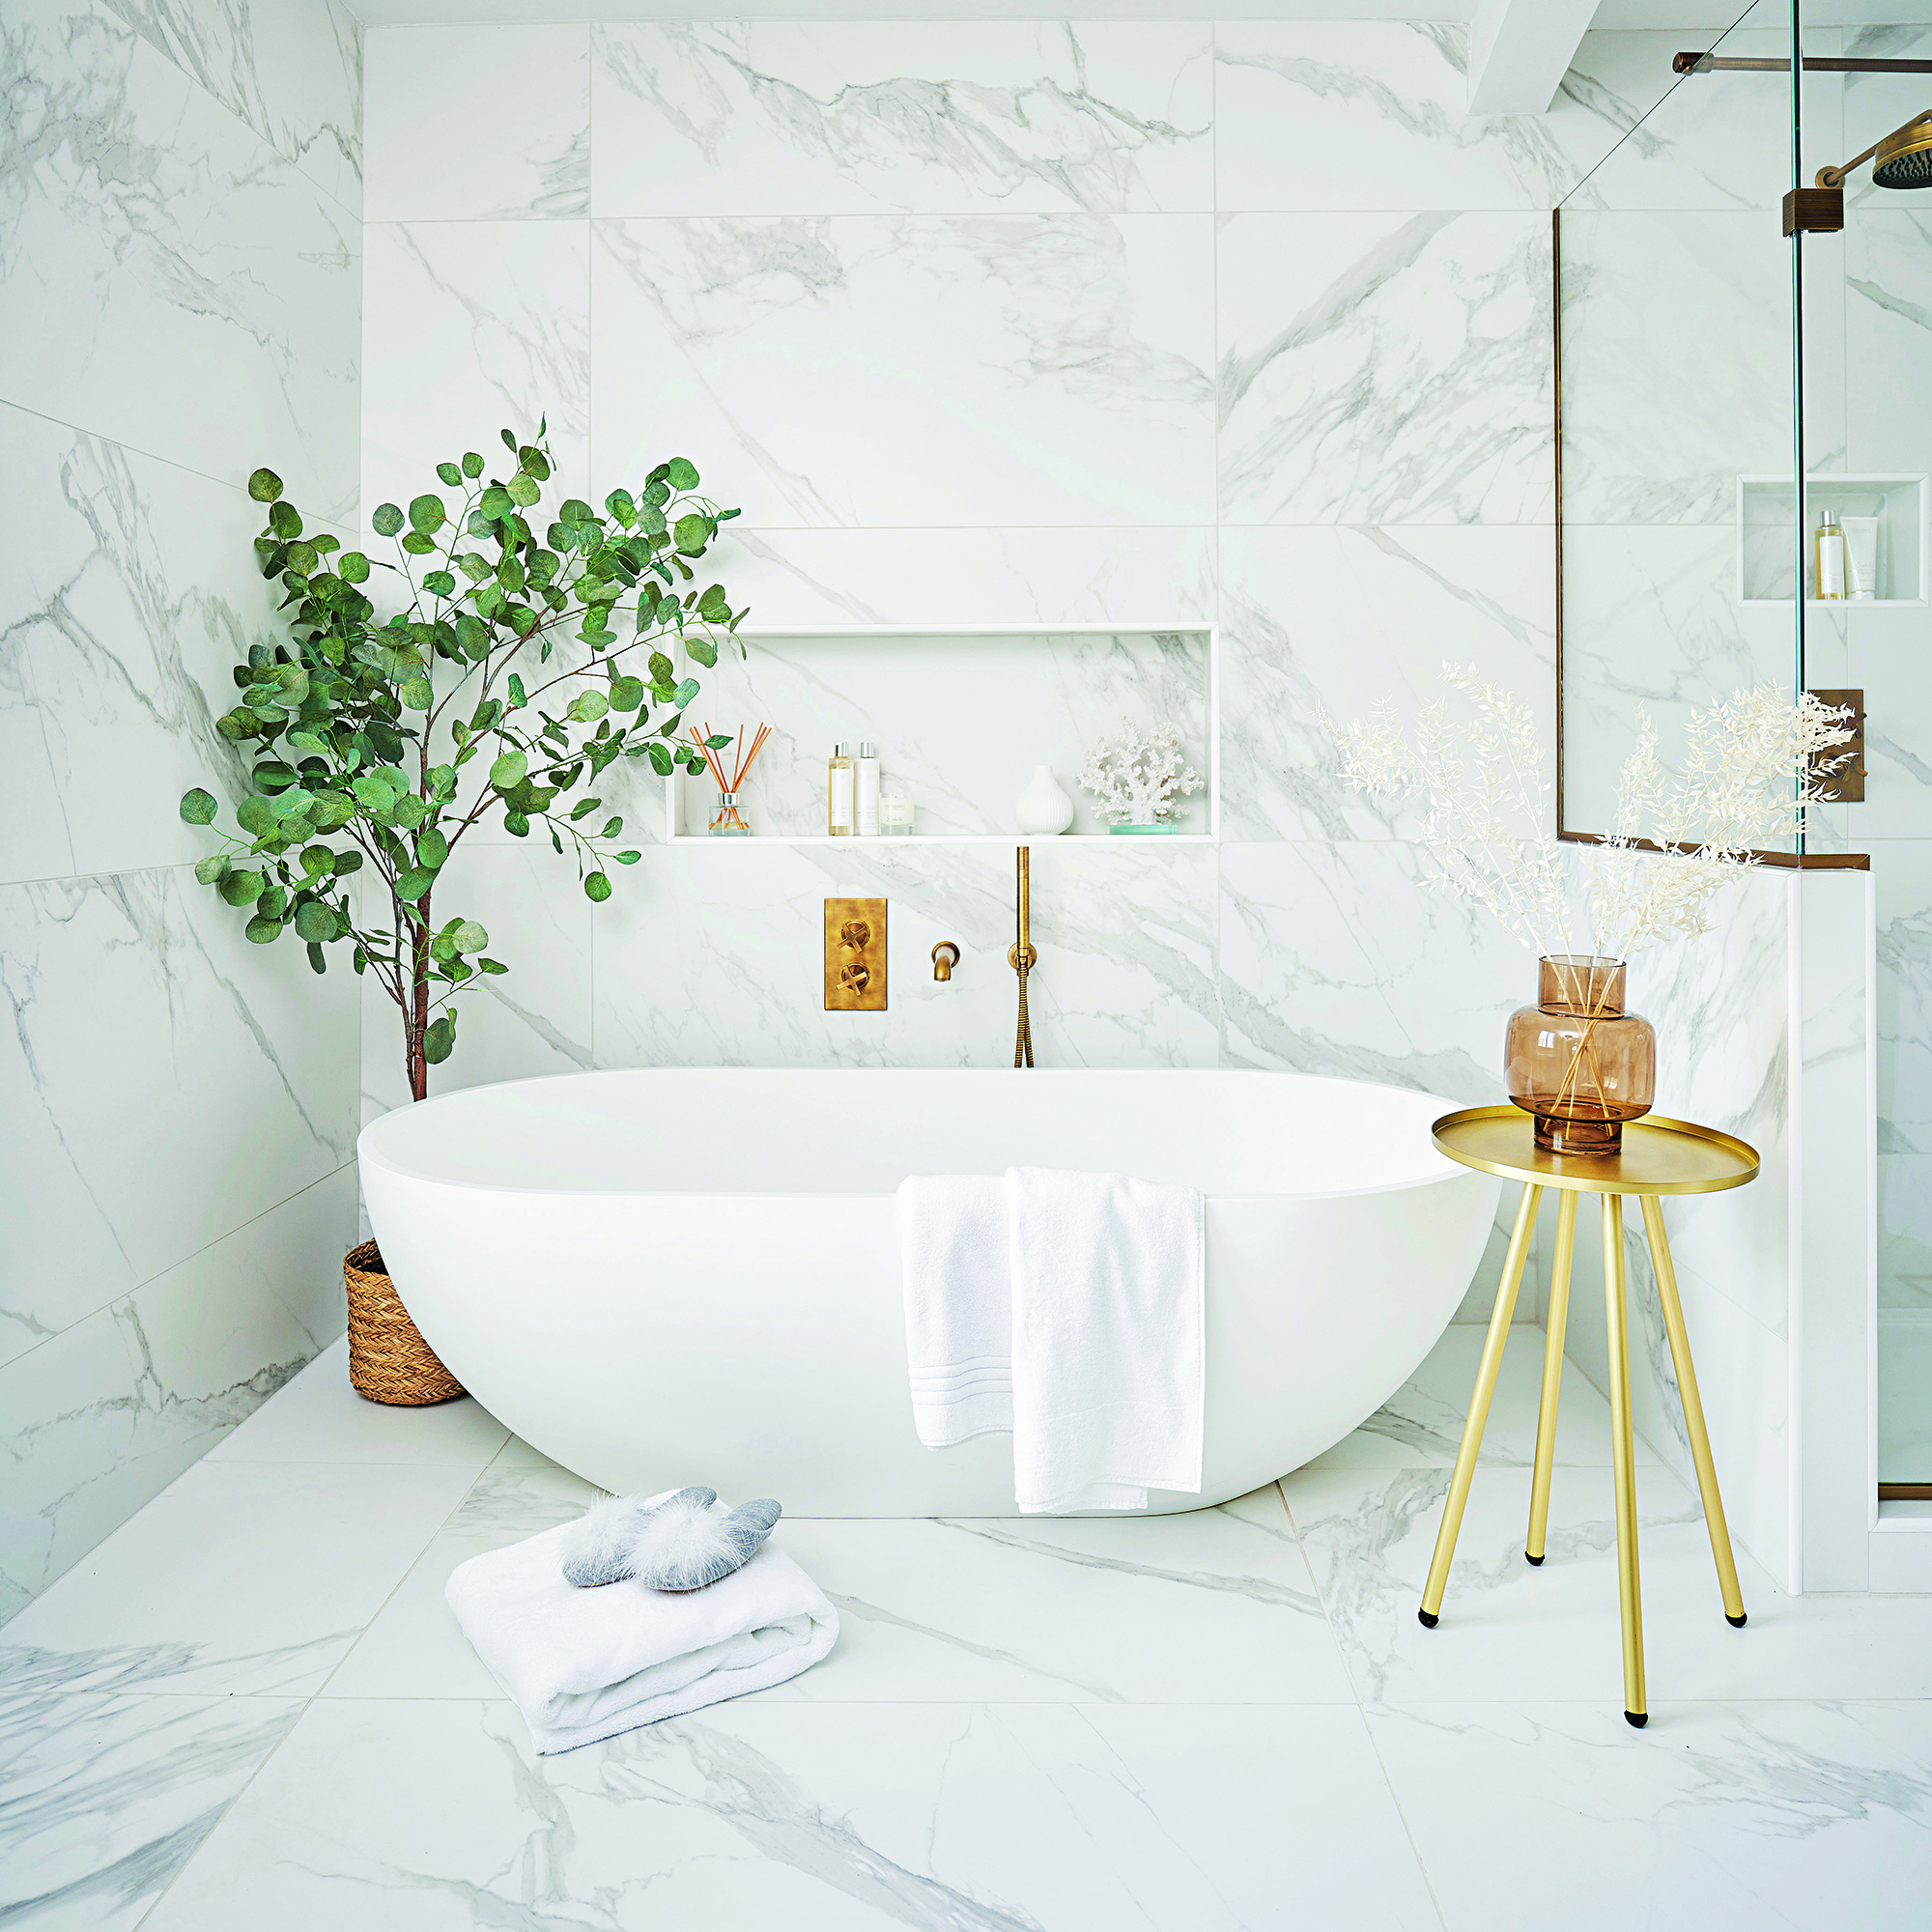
pixel 712 742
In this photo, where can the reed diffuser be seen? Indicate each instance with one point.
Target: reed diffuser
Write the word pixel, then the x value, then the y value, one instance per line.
pixel 727 819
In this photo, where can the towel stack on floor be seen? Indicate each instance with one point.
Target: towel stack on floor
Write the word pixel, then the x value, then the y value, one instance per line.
pixel 585 1663
pixel 1067 1309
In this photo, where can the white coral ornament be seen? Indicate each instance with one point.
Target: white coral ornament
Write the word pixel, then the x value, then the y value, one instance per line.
pixel 1139 778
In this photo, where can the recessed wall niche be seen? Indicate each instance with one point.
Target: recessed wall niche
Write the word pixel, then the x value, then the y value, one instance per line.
pixel 961 718
pixel 1894 506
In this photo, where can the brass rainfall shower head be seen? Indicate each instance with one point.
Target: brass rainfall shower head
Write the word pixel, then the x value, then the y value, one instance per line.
pixel 1904 159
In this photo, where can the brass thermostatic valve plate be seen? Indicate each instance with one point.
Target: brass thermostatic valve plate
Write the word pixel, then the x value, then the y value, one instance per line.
pixel 855 955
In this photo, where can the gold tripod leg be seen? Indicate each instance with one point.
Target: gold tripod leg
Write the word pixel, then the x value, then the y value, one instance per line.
pixel 1693 1412
pixel 1623 1459
pixel 1552 1374
pixel 1479 1406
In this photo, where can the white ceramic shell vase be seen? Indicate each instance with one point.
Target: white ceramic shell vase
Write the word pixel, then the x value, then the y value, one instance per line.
pixel 1043 807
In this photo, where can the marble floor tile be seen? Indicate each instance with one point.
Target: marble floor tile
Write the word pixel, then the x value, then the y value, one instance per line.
pixel 319 1418
pixel 1421 1425
pixel 1512 1633
pixel 1789 1814
pixel 1212 1606
pixel 103 1799
pixel 414 1647
pixel 952 1817
pixel 242 1578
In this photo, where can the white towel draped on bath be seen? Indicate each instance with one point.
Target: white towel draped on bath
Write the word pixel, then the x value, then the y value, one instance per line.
pixel 587 1664
pixel 1069 1309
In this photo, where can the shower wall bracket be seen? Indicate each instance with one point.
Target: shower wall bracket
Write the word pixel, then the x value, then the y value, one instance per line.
pixel 1814 210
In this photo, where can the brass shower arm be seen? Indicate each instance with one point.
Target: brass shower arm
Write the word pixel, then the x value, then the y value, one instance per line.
pixel 1836 176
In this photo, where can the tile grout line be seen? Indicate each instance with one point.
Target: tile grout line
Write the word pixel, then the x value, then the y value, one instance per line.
pixel 1361 1710
pixel 308 1703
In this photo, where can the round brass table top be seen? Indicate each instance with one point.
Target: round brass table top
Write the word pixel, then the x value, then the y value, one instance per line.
pixel 1658 1156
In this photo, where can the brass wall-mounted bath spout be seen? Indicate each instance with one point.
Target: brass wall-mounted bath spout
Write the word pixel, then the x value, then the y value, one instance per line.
pixel 945 957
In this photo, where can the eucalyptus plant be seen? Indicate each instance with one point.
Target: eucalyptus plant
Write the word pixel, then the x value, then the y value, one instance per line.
pixel 374 744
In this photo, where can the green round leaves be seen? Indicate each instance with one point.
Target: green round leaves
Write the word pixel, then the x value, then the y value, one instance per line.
pixel 315 922
pixel 596 886
pixel 472 465
pixel 448 473
pixel 387 521
pixel 197 807
pixel 427 513
pixel 416 692
pixel 261 930
pixel 353 567
pixel 681 474
pixel 507 770
pixel 626 693
pixel 264 486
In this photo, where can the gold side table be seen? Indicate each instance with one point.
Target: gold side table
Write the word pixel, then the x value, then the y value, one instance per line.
pixel 1658 1156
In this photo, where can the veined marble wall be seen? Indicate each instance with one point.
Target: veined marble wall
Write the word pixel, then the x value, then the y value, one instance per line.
pixel 1125 323
pixel 180 267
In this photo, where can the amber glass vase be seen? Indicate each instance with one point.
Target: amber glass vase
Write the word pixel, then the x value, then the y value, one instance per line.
pixel 1577 1060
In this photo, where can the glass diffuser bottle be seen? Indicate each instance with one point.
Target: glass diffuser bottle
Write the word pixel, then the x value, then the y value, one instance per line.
pixel 1577 1059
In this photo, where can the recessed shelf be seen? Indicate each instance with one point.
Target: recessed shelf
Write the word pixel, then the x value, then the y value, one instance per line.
pixel 962 714
pixel 869 844
pixel 1895 504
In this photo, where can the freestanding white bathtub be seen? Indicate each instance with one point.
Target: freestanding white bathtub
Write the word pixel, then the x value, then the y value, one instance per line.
pixel 692 1275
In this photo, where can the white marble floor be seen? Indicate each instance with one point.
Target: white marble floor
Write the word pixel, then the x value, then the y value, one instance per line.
pixel 249 1708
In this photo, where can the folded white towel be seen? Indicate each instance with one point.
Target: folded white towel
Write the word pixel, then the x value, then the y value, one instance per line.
pixel 958 1306
pixel 1066 1308
pixel 1108 1351
pixel 587 1664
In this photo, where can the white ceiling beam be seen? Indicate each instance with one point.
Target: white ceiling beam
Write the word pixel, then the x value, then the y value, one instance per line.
pixel 1520 49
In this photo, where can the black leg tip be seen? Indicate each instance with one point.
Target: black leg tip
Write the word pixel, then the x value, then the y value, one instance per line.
pixel 1427 1622
pixel 1737 1623
pixel 1528 1558
pixel 1636 1720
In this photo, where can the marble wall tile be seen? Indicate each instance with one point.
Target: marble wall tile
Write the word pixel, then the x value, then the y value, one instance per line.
pixel 291 68
pixel 1144 576
pixel 1328 622
pixel 1676 363
pixel 1708 141
pixel 990 370
pixel 1651 617
pixel 533 1020
pixel 106 1414
pixel 1902 878
pixel 170 1079
pixel 714 957
pixel 1338 958
pixel 1904 1377
pixel 478 122
pixel 1905 1232
pixel 470 328
pixel 1372 114
pixel 196 251
pixel 961 722
pixel 110 1796
pixel 1872 105
pixel 1391 367
pixel 132 590
pixel 718 116
pixel 1888 320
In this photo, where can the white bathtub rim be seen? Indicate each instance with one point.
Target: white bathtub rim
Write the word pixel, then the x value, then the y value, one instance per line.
pixel 1448 1171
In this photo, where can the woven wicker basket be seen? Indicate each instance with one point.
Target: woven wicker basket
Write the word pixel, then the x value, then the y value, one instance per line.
pixel 388 1359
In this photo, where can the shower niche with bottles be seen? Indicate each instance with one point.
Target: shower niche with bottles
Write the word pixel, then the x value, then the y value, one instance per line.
pixel 1879 526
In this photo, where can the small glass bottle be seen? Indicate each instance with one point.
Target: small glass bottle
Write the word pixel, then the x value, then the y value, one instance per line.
pixel 894 811
pixel 866 812
pixel 838 776
pixel 729 821
pixel 1577 1060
